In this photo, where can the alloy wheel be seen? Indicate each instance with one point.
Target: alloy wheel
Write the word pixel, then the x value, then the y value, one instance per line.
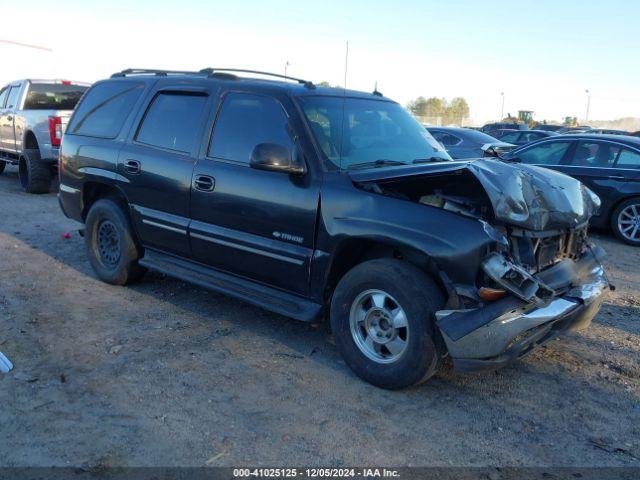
pixel 379 326
pixel 629 222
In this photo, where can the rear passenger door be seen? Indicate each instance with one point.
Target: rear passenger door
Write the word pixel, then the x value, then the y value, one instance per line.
pixel 157 163
pixel 254 223
pixel 592 163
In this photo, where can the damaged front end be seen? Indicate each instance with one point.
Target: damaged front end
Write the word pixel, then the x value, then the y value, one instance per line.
pixel 539 276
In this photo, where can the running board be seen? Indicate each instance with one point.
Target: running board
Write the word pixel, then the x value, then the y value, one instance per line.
pixel 260 295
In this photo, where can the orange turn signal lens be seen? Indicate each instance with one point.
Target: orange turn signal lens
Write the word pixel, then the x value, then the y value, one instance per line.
pixel 491 294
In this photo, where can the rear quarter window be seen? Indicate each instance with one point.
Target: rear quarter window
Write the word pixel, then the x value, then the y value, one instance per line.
pixel 104 109
pixel 53 96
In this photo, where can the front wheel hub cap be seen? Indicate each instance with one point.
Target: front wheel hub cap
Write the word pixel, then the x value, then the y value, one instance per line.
pixel 379 326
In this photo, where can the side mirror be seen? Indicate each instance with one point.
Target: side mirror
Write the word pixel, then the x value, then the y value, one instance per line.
pixel 489 150
pixel 275 158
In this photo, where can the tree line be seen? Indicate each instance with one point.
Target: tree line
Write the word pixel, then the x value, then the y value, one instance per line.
pixel 454 112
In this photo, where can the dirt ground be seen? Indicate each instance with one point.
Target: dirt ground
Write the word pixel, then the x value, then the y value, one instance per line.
pixel 163 373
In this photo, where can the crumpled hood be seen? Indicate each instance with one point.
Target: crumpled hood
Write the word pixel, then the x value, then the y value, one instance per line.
pixel 530 197
pixel 534 197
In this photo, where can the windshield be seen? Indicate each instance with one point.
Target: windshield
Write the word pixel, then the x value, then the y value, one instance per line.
pixel 53 96
pixel 359 133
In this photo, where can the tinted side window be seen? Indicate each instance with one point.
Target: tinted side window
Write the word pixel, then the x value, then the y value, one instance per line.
pixel 245 121
pixel 509 137
pixel 12 98
pixel 447 139
pixel 104 109
pixel 530 137
pixel 3 96
pixel 594 154
pixel 173 121
pixel 628 159
pixel 549 153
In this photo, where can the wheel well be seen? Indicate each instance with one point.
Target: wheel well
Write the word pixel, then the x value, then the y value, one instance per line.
pixel 94 191
pixel 617 204
pixel 30 141
pixel 353 252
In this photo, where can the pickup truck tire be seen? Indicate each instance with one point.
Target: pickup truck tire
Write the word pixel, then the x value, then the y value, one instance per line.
pixel 385 302
pixel 625 221
pixel 35 175
pixel 111 247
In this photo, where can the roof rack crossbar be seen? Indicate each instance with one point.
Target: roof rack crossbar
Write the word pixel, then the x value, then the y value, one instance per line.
pixel 212 71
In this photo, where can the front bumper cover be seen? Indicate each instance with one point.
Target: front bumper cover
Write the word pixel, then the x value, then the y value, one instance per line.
pixel 503 331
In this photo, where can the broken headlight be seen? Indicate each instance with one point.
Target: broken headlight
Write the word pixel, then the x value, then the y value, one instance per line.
pixel 494 234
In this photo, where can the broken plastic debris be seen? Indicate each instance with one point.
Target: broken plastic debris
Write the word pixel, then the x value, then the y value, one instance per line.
pixel 65 235
pixel 5 364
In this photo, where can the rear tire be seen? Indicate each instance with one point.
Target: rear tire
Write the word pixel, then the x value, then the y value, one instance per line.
pixel 383 321
pixel 111 246
pixel 625 221
pixel 35 175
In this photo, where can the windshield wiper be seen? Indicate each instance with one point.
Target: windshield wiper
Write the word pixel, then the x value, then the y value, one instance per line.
pixel 429 160
pixel 376 163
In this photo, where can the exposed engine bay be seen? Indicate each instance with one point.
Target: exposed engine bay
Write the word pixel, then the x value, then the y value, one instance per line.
pixel 537 217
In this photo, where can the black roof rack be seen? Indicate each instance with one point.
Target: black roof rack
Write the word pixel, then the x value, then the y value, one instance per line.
pixel 151 71
pixel 226 72
pixel 213 71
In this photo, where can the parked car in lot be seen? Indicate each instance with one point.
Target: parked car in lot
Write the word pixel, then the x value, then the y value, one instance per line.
pixel 315 202
pixel 520 137
pixel 575 130
pixel 33 116
pixel 608 164
pixel 467 143
pixel 490 127
pixel 607 131
pixel 549 127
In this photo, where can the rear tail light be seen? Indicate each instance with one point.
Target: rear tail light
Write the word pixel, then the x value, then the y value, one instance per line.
pixel 55 130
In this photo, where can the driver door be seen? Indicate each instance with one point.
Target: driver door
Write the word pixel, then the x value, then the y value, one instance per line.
pixel 253 223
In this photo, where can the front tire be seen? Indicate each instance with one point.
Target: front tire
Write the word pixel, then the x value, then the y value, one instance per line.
pixel 35 175
pixel 625 221
pixel 111 247
pixel 383 321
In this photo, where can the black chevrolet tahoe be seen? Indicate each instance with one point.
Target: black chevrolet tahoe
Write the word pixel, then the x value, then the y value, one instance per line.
pixel 322 202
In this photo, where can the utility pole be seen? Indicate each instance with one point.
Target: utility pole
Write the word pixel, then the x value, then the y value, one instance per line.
pixel 502 108
pixel 586 117
pixel 346 64
pixel 286 66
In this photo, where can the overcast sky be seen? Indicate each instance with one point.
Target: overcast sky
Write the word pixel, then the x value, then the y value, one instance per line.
pixel 542 54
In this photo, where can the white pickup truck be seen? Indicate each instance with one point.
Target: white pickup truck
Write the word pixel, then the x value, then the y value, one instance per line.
pixel 33 117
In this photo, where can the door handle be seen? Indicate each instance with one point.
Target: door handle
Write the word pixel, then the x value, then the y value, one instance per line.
pixel 617 177
pixel 132 166
pixel 204 183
